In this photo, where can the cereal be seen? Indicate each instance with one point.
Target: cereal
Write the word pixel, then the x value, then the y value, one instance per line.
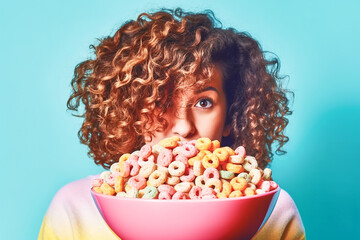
pixel 210 161
pixel 203 144
pixel 177 169
pixel 174 169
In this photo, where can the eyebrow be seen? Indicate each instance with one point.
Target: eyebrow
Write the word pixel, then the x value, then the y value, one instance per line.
pixel 207 89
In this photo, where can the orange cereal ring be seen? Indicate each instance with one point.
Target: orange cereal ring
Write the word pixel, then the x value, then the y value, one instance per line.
pixel 235 194
pixel 203 153
pixel 198 168
pixel 221 195
pixel 192 160
pixel 210 160
pixel 119 184
pixel 168 143
pixel 249 191
pixel 107 189
pixel 222 154
pixel 214 145
pixel 229 150
pixel 226 187
pixel 238 184
pixel 124 157
pixel 235 168
pixel 203 144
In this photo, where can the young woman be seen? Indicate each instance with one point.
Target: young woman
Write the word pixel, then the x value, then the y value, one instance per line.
pixel 173 73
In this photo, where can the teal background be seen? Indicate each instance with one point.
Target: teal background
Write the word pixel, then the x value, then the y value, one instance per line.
pixel 316 41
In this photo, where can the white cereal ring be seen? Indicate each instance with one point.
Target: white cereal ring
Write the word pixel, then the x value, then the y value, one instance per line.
pixel 255 175
pixel 157 178
pixel 199 181
pixel 176 168
pixel 250 163
pixel 147 169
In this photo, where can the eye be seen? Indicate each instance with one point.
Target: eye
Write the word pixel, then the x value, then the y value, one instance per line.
pixel 204 103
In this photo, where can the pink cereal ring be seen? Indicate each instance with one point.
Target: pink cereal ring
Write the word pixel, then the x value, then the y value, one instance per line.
pixel 210 196
pixel 182 159
pixel 145 151
pixel 211 173
pixel 189 150
pixel 273 185
pixel 134 166
pixel 133 156
pixel 137 182
pixel 240 151
pixel 165 157
pixel 192 142
pixel 188 176
pixel 164 196
pixel 265 185
pixel 97 182
pixel 195 192
pixel 179 195
pixel 142 161
pixel 112 178
pixel 166 188
pixel 207 191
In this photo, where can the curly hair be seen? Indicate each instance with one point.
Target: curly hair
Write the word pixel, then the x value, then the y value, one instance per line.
pixel 130 82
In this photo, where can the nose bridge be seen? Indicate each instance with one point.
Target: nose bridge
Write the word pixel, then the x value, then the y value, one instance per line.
pixel 182 121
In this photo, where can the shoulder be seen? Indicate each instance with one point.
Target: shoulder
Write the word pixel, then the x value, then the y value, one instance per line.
pixel 284 222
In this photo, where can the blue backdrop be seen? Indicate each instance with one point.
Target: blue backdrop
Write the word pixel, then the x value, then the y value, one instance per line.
pixel 316 41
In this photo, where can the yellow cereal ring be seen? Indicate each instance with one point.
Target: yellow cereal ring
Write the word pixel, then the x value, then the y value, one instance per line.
pixel 214 145
pixel 97 189
pixel 222 154
pixel 230 150
pixel 203 144
pixel 210 160
pixel 235 168
pixel 157 178
pixel 119 184
pixel 203 153
pixel 249 191
pixel 168 143
pixel 226 187
pixel 235 194
pixel 175 138
pixel 124 157
pixel 107 189
pixel 238 184
pixel 127 188
pixel 221 195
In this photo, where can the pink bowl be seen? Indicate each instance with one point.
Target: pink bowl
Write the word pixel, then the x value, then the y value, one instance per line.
pixel 233 218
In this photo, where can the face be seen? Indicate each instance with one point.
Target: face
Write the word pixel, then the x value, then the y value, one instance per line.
pixel 197 113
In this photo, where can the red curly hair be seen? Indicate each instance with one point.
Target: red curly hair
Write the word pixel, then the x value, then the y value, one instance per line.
pixel 135 73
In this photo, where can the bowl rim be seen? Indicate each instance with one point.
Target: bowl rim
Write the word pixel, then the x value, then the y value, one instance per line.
pixel 185 200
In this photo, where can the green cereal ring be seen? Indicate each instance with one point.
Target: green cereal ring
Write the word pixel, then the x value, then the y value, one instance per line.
pixel 150 192
pixel 226 174
pixel 246 176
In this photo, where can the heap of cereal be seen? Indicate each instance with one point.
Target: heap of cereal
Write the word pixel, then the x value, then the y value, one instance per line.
pixel 174 169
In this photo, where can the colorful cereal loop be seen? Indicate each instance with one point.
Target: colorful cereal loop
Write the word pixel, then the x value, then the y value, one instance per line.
pixel 221 195
pixel 267 174
pixel 176 169
pixel 238 184
pixel 165 158
pixel 199 181
pixel 124 157
pixel 119 184
pixel 249 191
pixel 226 187
pixel 222 154
pixel 172 180
pixel 214 145
pixel 137 182
pixel 236 159
pixel 226 174
pixel 211 173
pixel 214 183
pixel 235 168
pixel 179 196
pixel 255 176
pixel 143 161
pixel 145 151
pixel 250 163
pixel 147 169
pixel 97 182
pixel 182 159
pixel 198 168
pixel 164 196
pixel 168 143
pixel 157 178
pixel 97 189
pixel 235 193
pixel 240 151
pixel 246 176
pixel 195 192
pixel 188 176
pixel 230 150
pixel 184 187
pixel 210 161
pixel 150 192
pixel 107 189
pixel 167 188
pixel 203 144
pixel 134 166
pixel 115 167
